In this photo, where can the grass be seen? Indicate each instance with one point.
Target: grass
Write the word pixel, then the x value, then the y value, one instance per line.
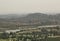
pixel 53 39
pixel 4 40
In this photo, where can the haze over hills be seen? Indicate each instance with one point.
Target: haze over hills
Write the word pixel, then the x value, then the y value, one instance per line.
pixel 30 18
pixel 13 21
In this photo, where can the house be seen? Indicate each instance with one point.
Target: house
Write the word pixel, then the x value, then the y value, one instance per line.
pixel 8 31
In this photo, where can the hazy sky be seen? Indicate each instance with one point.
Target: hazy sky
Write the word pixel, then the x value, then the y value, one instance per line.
pixel 28 6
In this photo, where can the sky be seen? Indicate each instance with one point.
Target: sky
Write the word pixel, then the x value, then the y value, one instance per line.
pixel 29 6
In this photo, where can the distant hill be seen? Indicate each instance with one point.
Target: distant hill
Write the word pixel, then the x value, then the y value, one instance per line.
pixel 32 18
pixel 42 19
pixel 14 20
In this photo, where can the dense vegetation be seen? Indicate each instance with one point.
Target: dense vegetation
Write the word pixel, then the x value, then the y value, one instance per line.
pixel 42 35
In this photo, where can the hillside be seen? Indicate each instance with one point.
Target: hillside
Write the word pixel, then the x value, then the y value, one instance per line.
pixel 13 21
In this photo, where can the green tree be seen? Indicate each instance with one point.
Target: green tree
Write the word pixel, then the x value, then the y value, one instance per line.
pixel 4 35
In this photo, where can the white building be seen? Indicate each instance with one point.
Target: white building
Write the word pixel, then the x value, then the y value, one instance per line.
pixel 8 31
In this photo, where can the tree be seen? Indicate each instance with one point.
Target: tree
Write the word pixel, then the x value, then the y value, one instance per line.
pixel 4 35
pixel 44 33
